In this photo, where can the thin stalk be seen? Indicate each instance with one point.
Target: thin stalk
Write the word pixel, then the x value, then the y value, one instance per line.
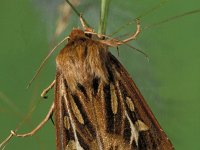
pixel 103 16
pixel 76 11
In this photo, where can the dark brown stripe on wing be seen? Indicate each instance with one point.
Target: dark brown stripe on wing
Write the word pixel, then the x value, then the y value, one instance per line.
pixel 119 114
pixel 131 114
pixel 142 141
pixel 82 142
pixel 82 89
pixel 108 109
pixel 110 74
pixel 87 123
pixel 65 83
pixel 148 140
pixel 127 131
pixel 95 85
pixel 68 131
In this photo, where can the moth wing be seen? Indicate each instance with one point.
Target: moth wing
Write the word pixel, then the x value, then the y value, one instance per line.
pixel 151 136
pixel 59 114
pixel 71 132
pixel 123 117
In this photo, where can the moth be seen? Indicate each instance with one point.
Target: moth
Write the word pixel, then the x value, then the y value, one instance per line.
pixel 97 105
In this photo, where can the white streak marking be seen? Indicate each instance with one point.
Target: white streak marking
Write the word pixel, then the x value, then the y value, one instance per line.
pixel 134 131
pixel 78 146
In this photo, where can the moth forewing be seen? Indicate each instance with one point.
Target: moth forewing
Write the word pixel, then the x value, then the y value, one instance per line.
pixel 97 104
pixel 151 135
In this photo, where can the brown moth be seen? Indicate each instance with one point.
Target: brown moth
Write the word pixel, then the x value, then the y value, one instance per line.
pixel 97 105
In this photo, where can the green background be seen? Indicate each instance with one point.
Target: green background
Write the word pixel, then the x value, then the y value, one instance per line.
pixel 170 81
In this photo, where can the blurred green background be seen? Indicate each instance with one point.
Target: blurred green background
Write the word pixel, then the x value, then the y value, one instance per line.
pixel 170 81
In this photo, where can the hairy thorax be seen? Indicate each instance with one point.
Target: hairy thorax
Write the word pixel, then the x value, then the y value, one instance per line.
pixel 82 60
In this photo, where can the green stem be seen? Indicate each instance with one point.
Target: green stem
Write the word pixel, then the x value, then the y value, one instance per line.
pixel 103 16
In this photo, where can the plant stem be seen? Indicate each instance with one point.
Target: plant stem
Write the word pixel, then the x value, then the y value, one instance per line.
pixel 103 16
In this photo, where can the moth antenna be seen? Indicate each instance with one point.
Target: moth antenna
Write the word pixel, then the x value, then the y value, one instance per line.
pixel 145 13
pixel 123 26
pixel 158 23
pixel 45 60
pixel 173 18
pixel 77 13
pixel 72 6
pixel 151 10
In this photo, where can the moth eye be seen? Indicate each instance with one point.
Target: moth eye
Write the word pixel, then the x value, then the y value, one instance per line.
pixel 88 35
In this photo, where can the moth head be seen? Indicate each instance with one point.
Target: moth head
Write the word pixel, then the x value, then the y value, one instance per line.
pixel 76 33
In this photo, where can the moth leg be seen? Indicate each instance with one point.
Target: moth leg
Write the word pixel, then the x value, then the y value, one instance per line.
pixel 38 127
pixel 115 42
pixel 13 133
pixel 137 32
pixel 46 90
